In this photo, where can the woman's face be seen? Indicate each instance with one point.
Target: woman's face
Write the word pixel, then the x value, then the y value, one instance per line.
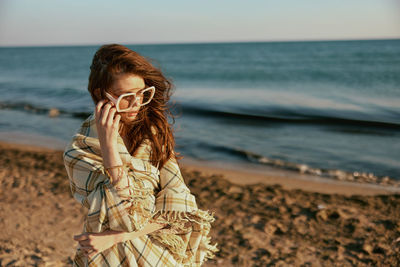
pixel 127 83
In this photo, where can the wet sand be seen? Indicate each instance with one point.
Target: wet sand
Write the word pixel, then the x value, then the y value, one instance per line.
pixel 262 219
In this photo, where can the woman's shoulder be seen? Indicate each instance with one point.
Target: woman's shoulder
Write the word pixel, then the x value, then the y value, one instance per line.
pixel 88 124
pixel 87 129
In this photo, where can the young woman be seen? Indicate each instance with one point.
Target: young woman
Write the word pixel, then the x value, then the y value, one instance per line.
pixel 122 167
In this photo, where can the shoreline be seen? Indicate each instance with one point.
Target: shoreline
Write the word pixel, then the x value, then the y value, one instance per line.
pixel 289 180
pixel 258 222
pixel 236 174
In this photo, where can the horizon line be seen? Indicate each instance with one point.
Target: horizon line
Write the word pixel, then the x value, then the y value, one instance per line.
pixel 200 42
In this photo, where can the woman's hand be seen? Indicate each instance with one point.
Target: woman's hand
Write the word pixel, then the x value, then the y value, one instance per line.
pixel 107 131
pixel 93 243
pixel 107 124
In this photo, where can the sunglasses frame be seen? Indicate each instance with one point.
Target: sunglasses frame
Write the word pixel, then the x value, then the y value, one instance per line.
pixel 117 100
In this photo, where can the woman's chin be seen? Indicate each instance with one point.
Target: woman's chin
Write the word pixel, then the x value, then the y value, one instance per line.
pixel 128 119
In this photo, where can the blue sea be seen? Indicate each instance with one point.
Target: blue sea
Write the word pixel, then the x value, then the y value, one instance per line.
pixel 329 108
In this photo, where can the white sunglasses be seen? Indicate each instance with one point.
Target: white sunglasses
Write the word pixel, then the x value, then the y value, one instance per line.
pixel 126 102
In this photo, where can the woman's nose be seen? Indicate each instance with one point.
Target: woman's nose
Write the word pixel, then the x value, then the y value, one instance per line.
pixel 137 102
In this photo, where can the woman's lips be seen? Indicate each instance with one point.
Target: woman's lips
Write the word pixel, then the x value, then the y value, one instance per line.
pixel 131 114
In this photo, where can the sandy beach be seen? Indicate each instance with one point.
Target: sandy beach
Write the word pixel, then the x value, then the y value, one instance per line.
pixel 262 219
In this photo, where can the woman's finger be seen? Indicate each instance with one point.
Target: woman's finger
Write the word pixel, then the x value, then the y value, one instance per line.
pixel 98 108
pixel 80 237
pixel 104 113
pixel 84 243
pixel 87 248
pixel 116 121
pixel 111 113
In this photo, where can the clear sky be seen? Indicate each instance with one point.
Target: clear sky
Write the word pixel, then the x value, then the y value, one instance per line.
pixel 73 22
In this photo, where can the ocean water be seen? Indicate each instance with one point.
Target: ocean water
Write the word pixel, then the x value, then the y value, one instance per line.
pixel 330 108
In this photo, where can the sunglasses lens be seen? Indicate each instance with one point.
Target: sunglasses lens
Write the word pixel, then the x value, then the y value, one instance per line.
pixel 128 102
pixel 146 97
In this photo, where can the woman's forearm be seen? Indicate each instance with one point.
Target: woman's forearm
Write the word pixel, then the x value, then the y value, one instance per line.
pixel 111 157
pixel 149 228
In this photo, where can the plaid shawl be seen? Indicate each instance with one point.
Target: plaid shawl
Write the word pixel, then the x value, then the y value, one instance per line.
pixel 154 196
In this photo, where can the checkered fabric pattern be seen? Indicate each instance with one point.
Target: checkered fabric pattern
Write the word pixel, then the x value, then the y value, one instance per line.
pixel 154 196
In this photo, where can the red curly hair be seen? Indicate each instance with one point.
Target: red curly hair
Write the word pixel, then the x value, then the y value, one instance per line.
pixel 113 60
